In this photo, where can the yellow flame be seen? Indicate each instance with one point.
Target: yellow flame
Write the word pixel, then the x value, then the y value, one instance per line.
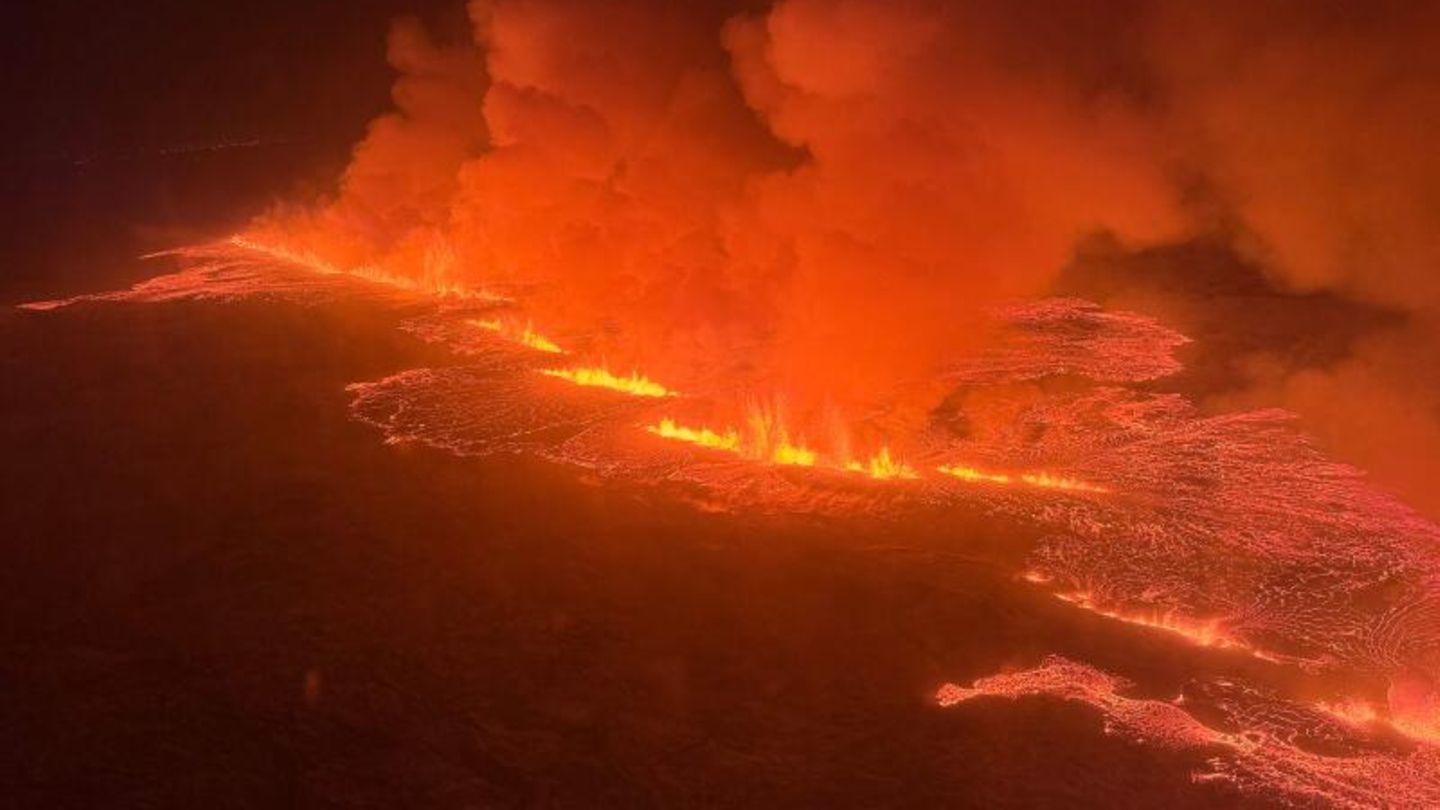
pixel 1202 632
pixel 768 439
pixel 881 466
pixel 634 385
pixel 526 337
pixel 782 451
pixel 705 437
pixel 435 281
pixel 1040 480
pixel 539 342
pixel 765 439
pixel 793 454
pixel 975 476
pixel 1047 481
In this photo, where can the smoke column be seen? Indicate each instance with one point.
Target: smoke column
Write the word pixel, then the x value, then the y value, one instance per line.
pixel 819 199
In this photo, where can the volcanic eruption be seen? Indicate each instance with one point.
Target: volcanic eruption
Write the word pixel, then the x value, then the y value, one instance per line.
pixel 865 263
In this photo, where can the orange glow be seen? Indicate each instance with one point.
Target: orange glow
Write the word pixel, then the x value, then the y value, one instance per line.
pixel 634 385
pixel 1362 713
pixel 762 442
pixel 526 337
pixel 767 440
pixel 975 476
pixel 1352 712
pixel 1047 481
pixel 669 429
pixel 434 281
pixel 881 466
pixel 794 455
pixel 1202 632
pixel 539 342
pixel 1039 480
pixel 1416 730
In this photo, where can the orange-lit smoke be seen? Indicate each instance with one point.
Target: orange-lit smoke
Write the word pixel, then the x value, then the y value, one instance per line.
pixel 1313 125
pixel 817 198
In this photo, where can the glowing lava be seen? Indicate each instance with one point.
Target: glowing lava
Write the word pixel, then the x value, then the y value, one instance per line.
pixel 1047 481
pixel 1201 632
pixel 434 281
pixel 1262 758
pixel 635 385
pixel 1039 480
pixel 974 476
pixel 525 337
pixel 1235 531
pixel 881 466
pixel 763 441
pixel 704 437
pixel 1352 712
pixel 767 440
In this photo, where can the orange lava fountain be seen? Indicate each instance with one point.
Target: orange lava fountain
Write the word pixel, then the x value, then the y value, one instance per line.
pixel 766 440
pixel 881 466
pixel 434 281
pixel 635 385
pixel 525 337
pixel 1039 480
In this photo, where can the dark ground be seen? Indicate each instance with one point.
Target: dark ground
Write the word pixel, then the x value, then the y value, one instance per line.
pixel 217 590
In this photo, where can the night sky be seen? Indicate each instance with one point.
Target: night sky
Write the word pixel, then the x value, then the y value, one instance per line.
pixel 115 106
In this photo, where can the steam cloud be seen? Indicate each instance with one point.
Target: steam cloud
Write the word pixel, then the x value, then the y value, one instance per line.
pixel 821 197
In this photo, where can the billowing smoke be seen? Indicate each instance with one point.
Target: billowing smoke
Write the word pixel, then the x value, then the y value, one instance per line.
pixel 1313 125
pixel 819 198
pixel 822 196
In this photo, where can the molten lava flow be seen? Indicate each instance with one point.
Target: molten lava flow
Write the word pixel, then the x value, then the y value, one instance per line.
pixel 669 429
pixel 1040 480
pixel 1234 520
pixel 1047 481
pixel 973 475
pixel 881 466
pixel 1353 712
pixel 1363 715
pixel 768 441
pixel 435 281
pixel 1262 757
pixel 539 342
pixel 634 385
pixel 525 337
pixel 762 441
pixel 795 455
pixel 1204 633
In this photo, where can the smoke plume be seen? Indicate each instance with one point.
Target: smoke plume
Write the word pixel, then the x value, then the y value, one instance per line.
pixel 820 198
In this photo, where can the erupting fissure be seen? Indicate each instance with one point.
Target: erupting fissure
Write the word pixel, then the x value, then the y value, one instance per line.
pixel 1217 495
pixel 525 337
pixel 766 441
pixel 1039 480
pixel 435 280
pixel 599 377
pixel 1201 632
pixel 762 441
pixel 882 466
